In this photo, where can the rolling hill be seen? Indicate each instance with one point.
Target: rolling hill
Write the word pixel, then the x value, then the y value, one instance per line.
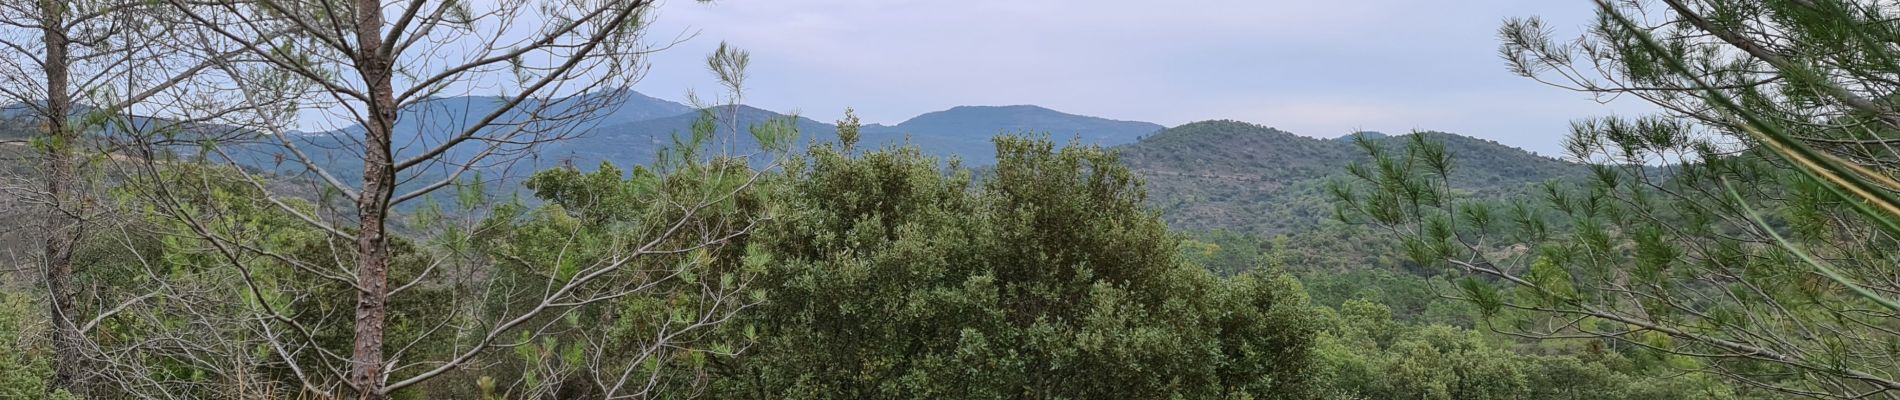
pixel 965 131
pixel 1248 178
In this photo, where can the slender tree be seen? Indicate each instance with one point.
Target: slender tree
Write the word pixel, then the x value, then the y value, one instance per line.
pixel 74 69
pixel 527 72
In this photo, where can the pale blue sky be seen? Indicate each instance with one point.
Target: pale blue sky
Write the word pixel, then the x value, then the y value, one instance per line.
pixel 1313 67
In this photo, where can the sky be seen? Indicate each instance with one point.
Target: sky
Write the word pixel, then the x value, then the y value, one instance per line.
pixel 1320 68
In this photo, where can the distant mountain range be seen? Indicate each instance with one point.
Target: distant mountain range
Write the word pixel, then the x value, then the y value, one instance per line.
pixel 1205 175
pixel 963 132
pixel 635 130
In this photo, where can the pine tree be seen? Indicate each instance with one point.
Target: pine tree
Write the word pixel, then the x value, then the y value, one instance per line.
pixel 1744 232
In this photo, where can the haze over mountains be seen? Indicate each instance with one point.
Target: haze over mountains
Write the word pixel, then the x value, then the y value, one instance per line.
pixel 962 131
pixel 1204 175
pixel 639 126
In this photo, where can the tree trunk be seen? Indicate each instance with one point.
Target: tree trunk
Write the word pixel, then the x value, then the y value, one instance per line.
pixel 61 225
pixel 372 206
pixel 372 267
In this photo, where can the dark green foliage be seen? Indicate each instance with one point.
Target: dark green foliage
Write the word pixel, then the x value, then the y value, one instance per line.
pixel 1045 279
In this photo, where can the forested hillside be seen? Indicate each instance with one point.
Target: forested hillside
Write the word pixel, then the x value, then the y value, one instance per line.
pixel 1237 176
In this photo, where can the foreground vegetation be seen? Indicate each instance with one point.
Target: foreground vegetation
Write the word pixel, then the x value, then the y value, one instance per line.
pixel 878 276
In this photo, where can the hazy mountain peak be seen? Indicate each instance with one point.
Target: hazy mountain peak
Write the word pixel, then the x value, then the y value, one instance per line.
pixel 1015 107
pixel 1222 129
pixel 1366 134
pixel 986 121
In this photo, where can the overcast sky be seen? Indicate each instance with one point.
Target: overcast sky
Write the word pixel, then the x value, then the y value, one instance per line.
pixel 1313 67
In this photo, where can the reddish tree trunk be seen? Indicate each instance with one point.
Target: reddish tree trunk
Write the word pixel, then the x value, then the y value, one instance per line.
pixel 372 207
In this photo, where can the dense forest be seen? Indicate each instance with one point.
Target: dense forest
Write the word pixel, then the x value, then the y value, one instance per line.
pixel 176 230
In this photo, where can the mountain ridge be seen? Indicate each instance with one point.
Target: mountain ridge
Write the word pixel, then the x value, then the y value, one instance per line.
pixel 1203 175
